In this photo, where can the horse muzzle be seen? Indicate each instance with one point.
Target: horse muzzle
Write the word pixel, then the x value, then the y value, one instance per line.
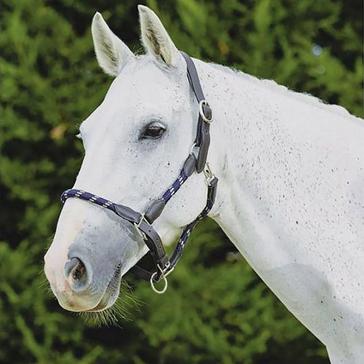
pixel 76 291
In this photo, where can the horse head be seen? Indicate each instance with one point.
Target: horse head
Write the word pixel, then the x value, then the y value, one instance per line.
pixel 135 144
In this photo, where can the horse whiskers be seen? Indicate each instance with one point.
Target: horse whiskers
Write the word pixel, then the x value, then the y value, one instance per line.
pixel 98 319
pixel 44 285
pixel 120 309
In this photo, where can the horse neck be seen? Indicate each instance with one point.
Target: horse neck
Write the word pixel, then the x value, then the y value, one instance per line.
pixel 290 170
pixel 262 138
pixel 242 127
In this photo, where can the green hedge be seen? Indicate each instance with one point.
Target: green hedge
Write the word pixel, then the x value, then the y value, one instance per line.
pixel 50 81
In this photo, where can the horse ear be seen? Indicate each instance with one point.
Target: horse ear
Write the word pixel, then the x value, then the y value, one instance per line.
pixel 155 37
pixel 111 52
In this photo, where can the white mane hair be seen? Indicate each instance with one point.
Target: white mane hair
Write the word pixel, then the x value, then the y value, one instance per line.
pixel 275 87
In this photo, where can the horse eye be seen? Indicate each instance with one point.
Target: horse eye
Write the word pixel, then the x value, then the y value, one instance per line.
pixel 152 131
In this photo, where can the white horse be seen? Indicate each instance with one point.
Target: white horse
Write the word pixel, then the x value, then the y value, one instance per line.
pixel 290 197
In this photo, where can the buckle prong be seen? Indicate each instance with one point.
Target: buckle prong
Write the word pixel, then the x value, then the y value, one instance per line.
pixel 209 176
pixel 137 227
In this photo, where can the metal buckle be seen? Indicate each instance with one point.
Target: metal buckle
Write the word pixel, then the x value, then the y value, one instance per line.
pixel 137 228
pixel 209 176
pixel 201 111
pixel 163 273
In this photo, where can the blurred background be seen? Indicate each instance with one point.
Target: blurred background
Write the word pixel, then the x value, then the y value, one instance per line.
pixel 216 310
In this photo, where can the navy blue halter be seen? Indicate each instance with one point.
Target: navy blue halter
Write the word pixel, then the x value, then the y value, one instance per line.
pixel 196 161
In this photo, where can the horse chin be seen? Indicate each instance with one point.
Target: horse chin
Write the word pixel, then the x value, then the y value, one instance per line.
pixel 110 295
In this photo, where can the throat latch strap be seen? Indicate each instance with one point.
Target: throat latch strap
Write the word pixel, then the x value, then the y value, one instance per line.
pixel 186 232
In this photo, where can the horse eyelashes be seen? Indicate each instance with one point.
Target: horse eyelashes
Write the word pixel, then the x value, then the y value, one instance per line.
pixel 152 131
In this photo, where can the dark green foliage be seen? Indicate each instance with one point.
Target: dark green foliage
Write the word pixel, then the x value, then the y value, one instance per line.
pixel 217 310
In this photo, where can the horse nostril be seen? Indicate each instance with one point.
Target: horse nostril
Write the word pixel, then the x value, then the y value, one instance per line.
pixel 76 272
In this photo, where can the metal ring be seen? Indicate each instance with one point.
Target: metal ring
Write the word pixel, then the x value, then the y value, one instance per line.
pixel 154 287
pixel 204 118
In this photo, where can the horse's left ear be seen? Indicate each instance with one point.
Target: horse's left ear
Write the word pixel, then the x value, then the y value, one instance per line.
pixel 156 39
pixel 111 52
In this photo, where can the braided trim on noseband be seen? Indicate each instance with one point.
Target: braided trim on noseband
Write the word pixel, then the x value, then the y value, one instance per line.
pixel 87 196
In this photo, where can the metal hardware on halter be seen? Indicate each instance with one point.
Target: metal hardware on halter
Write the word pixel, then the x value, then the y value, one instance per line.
pixel 196 161
pixel 163 273
pixel 137 228
pixel 209 176
pixel 203 104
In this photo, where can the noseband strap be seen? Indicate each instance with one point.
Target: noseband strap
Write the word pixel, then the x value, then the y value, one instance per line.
pixel 143 223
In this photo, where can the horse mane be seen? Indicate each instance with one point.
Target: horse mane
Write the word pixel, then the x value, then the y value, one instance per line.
pixel 268 84
pixel 275 87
